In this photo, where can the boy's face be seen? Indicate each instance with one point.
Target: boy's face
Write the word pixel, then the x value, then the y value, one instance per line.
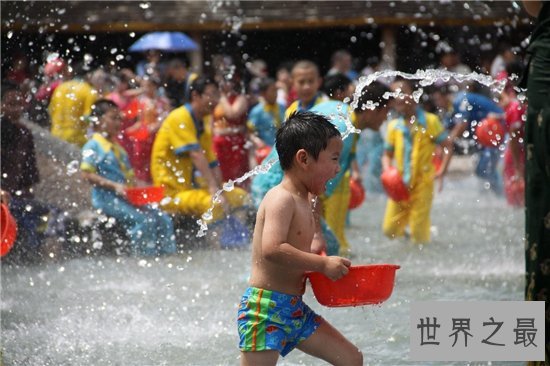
pixel 209 99
pixel 371 119
pixel 110 122
pixel 326 166
pixel 405 104
pixel 270 94
pixel 306 82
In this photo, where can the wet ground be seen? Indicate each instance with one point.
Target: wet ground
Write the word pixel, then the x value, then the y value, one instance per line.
pixel 181 310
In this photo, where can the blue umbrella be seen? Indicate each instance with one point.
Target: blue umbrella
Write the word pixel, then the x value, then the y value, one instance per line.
pixel 164 41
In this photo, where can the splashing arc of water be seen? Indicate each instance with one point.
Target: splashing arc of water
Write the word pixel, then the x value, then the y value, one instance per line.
pixel 426 78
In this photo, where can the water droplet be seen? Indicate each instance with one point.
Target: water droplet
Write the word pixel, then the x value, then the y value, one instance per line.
pixel 72 167
pixel 229 185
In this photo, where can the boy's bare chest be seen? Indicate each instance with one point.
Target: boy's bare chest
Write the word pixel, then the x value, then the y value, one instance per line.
pixel 303 223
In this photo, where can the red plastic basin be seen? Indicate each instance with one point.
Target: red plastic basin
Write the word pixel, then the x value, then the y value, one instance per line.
pixel 144 195
pixel 357 195
pixel 363 285
pixel 490 132
pixel 393 185
pixel 9 230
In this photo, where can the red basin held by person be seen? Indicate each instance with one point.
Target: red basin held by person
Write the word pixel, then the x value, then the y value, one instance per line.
pixel 363 285
pixel 490 132
pixel 393 185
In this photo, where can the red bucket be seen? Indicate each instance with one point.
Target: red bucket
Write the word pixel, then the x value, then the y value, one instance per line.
pixel 363 285
pixel 490 132
pixel 393 185
pixel 144 195
pixel 357 195
pixel 9 231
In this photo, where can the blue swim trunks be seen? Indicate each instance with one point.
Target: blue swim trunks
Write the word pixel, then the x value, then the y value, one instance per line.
pixel 270 320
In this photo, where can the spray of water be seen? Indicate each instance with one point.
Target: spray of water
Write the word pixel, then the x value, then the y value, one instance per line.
pixel 425 77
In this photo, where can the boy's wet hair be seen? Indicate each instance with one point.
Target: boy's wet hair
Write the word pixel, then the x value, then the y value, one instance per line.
pixel 199 84
pixel 334 83
pixel 373 93
pixel 99 108
pixel 303 130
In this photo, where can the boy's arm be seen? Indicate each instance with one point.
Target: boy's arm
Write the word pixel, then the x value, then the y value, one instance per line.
pixel 279 212
pixel 99 181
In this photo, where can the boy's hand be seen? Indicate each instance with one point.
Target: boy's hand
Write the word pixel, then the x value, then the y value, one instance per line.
pixel 336 267
pixel 120 189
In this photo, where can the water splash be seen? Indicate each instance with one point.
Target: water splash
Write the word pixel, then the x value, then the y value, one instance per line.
pixel 426 78
pixel 227 187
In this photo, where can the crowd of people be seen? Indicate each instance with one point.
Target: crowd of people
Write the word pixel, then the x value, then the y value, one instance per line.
pixel 195 134
pixel 164 125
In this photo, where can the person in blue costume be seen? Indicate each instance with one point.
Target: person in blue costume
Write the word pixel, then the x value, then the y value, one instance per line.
pixel 106 166
pixel 469 109
pixel 342 116
pixel 266 117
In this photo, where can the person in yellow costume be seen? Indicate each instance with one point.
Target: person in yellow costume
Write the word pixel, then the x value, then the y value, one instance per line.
pixel 183 161
pixel 70 102
pixel 335 201
pixel 306 81
pixel 410 142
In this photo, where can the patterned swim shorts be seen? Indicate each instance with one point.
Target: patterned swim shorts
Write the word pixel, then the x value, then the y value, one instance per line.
pixel 270 320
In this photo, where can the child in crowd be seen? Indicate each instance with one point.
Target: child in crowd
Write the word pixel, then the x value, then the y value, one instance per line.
pixel 106 166
pixel 266 117
pixel 335 201
pixel 306 81
pixel 272 317
pixel 410 141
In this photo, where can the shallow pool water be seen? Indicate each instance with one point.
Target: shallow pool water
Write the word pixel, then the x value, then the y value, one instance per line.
pixel 181 310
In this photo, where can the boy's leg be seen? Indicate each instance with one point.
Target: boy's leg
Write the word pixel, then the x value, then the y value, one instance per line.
pixel 261 358
pixel 340 352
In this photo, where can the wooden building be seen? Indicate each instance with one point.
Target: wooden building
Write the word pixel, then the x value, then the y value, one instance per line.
pixel 405 34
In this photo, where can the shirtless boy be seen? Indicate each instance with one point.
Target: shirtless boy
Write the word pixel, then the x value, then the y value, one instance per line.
pixel 273 319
